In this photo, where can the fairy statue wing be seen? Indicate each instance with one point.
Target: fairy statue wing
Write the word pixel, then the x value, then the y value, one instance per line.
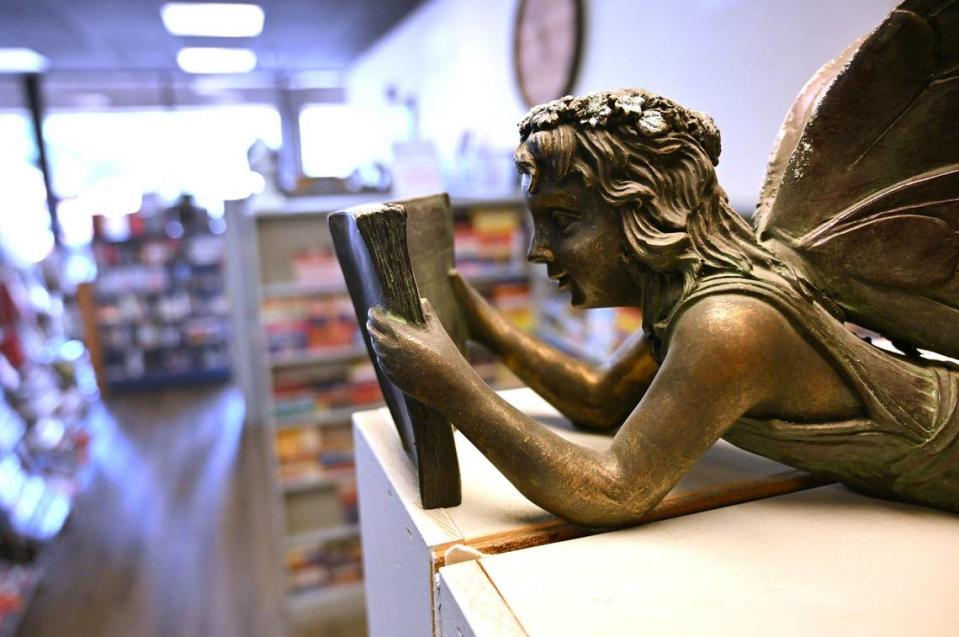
pixel 863 184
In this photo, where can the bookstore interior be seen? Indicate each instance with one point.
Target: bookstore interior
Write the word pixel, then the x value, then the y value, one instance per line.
pixel 191 410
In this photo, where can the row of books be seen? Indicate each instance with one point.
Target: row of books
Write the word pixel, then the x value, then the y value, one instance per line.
pixel 514 301
pixel 489 241
pixel 155 252
pixel 306 454
pixel 139 279
pixel 593 335
pixel 133 309
pixel 308 324
pixel 334 561
pixel 305 392
pixel 311 322
pixel 122 368
pixel 316 267
pixel 316 324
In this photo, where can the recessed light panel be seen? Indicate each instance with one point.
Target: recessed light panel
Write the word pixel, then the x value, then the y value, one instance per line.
pixel 216 60
pixel 22 61
pixel 209 19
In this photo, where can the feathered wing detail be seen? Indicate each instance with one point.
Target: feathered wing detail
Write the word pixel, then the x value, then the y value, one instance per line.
pixel 863 185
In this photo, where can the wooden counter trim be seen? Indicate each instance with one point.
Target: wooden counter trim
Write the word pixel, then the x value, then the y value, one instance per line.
pixel 557 530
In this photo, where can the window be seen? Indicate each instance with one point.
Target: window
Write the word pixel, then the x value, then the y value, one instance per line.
pixel 336 139
pixel 104 162
pixel 25 234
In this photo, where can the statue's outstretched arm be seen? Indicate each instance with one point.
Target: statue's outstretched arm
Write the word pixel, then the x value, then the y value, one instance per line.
pixel 592 397
pixel 696 396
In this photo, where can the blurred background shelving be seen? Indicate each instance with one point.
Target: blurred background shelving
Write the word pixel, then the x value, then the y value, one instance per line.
pixel 159 301
pixel 48 402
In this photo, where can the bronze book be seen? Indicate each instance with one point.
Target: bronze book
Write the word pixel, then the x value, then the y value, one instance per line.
pixel 392 255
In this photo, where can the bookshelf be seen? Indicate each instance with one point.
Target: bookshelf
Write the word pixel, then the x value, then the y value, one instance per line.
pixel 160 307
pixel 592 335
pixel 304 371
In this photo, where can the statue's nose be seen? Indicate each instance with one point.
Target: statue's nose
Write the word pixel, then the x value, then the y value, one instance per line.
pixel 539 251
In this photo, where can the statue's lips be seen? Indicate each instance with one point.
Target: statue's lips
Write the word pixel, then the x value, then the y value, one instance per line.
pixel 562 280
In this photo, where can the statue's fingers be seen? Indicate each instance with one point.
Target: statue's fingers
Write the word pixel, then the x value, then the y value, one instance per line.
pixel 385 360
pixel 375 334
pixel 384 354
pixel 380 319
pixel 381 334
pixel 375 313
pixel 378 349
pixel 385 349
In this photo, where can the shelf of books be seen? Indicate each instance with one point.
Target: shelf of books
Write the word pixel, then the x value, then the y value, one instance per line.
pixel 313 372
pixel 490 239
pixel 160 306
pixel 592 335
pixel 47 387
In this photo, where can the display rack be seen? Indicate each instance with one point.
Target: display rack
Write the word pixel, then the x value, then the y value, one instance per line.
pixel 46 390
pixel 40 482
pixel 159 305
pixel 307 370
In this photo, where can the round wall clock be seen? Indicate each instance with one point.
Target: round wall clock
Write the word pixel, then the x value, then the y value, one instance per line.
pixel 547 39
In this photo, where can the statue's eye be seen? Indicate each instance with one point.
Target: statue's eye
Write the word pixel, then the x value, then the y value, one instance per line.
pixel 564 219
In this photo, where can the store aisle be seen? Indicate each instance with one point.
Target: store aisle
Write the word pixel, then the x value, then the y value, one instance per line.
pixel 173 535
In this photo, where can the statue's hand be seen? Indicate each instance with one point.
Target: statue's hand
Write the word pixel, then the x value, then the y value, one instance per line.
pixel 481 317
pixel 421 360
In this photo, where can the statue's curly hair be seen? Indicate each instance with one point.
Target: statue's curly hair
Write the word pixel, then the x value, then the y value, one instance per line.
pixel 653 160
pixel 652 115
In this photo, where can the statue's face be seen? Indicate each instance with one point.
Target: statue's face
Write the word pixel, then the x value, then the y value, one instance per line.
pixel 578 236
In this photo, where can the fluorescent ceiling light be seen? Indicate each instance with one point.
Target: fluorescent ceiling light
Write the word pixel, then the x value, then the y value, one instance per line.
pixel 216 60
pixel 22 61
pixel 209 19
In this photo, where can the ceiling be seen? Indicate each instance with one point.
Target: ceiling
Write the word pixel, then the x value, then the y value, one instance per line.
pixel 116 35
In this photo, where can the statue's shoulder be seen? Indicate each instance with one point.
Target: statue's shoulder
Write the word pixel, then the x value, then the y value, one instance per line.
pixel 728 323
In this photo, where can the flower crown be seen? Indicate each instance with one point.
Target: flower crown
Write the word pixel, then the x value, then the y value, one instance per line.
pixel 651 114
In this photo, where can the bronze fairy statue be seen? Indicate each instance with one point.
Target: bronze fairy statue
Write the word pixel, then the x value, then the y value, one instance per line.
pixel 744 334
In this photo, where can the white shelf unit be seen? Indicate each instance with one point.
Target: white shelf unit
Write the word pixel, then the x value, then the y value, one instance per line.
pixel 309 509
pixel 261 243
